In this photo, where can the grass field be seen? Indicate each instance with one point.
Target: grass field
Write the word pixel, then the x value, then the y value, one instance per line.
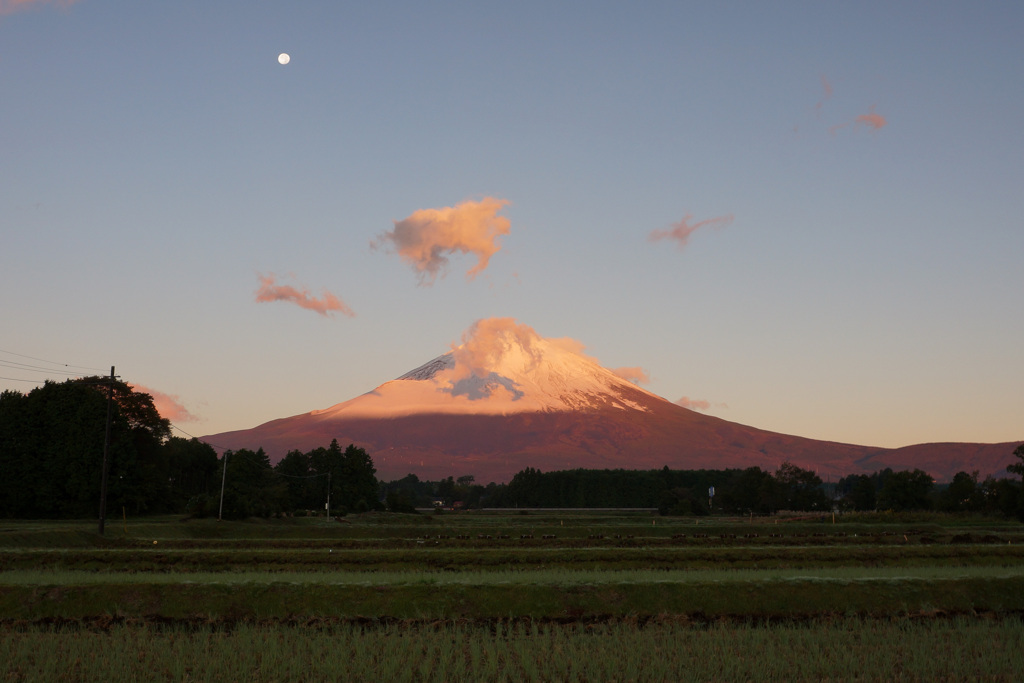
pixel 552 595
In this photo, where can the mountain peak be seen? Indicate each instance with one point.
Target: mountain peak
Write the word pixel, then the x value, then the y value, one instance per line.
pixel 501 367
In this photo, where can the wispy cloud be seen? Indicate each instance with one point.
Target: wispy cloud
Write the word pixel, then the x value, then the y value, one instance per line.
pixel 168 405
pixel 825 96
pixel 328 304
pixel 428 237
pixel 694 403
pixel 635 375
pixel 871 119
pixel 682 230
pixel 12 6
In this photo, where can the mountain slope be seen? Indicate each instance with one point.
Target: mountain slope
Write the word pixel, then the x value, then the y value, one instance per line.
pixel 507 399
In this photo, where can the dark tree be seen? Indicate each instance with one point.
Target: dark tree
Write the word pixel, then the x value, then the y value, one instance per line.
pixel 962 495
pixel 1017 467
pixel 358 480
pixel 800 488
pixel 192 470
pixel 683 501
pixel 51 450
pixel 251 487
pixel 862 493
pixel 524 489
pixel 905 490
pixel 749 490
pixel 306 490
pixel 409 489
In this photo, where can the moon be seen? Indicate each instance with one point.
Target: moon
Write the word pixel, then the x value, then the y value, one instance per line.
pixel 283 58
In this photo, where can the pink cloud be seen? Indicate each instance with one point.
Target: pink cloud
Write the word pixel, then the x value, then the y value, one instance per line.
pixel 694 403
pixel 825 97
pixel 492 341
pixel 499 344
pixel 635 375
pixel 328 304
pixel 12 6
pixel 169 406
pixel 427 237
pixel 871 119
pixel 682 230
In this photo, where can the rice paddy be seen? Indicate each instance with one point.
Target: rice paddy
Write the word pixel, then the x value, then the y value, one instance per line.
pixel 544 596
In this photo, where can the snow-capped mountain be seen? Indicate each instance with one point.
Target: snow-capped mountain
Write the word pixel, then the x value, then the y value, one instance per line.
pixel 516 372
pixel 506 399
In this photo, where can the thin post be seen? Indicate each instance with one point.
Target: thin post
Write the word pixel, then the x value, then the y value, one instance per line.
pixel 223 476
pixel 106 454
pixel 328 494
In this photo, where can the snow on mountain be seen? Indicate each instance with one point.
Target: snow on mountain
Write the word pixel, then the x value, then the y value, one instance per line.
pixel 501 367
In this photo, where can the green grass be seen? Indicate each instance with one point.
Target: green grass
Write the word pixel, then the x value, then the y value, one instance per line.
pixel 405 565
pixel 840 649
pixel 416 557
pixel 608 596
pixel 497 594
pixel 56 577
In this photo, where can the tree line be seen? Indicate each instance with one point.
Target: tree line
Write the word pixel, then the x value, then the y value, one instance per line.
pixel 731 491
pixel 52 440
pixel 322 481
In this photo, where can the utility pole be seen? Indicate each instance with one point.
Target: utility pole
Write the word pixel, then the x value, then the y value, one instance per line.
pixel 328 495
pixel 106 453
pixel 223 476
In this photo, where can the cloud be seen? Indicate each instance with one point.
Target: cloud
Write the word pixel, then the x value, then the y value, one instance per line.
pixel 501 358
pixel 504 345
pixel 825 97
pixel 12 6
pixel 270 291
pixel 699 404
pixel 492 342
pixel 871 119
pixel 682 230
pixel 634 375
pixel 694 403
pixel 427 237
pixel 169 407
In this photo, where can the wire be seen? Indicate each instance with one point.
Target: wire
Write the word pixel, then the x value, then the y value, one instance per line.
pixel 52 362
pixel 18 379
pixel 193 436
pixel 48 374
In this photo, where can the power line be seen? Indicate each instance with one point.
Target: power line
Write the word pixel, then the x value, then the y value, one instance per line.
pixel 47 372
pixel 53 362
pixel 193 436
pixel 20 379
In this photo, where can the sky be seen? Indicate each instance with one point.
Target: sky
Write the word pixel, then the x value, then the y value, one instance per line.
pixel 801 216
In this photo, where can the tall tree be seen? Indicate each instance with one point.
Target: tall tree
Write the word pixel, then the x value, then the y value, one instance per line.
pixel 359 487
pixel 304 493
pixel 192 469
pixel 251 488
pixel 51 449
